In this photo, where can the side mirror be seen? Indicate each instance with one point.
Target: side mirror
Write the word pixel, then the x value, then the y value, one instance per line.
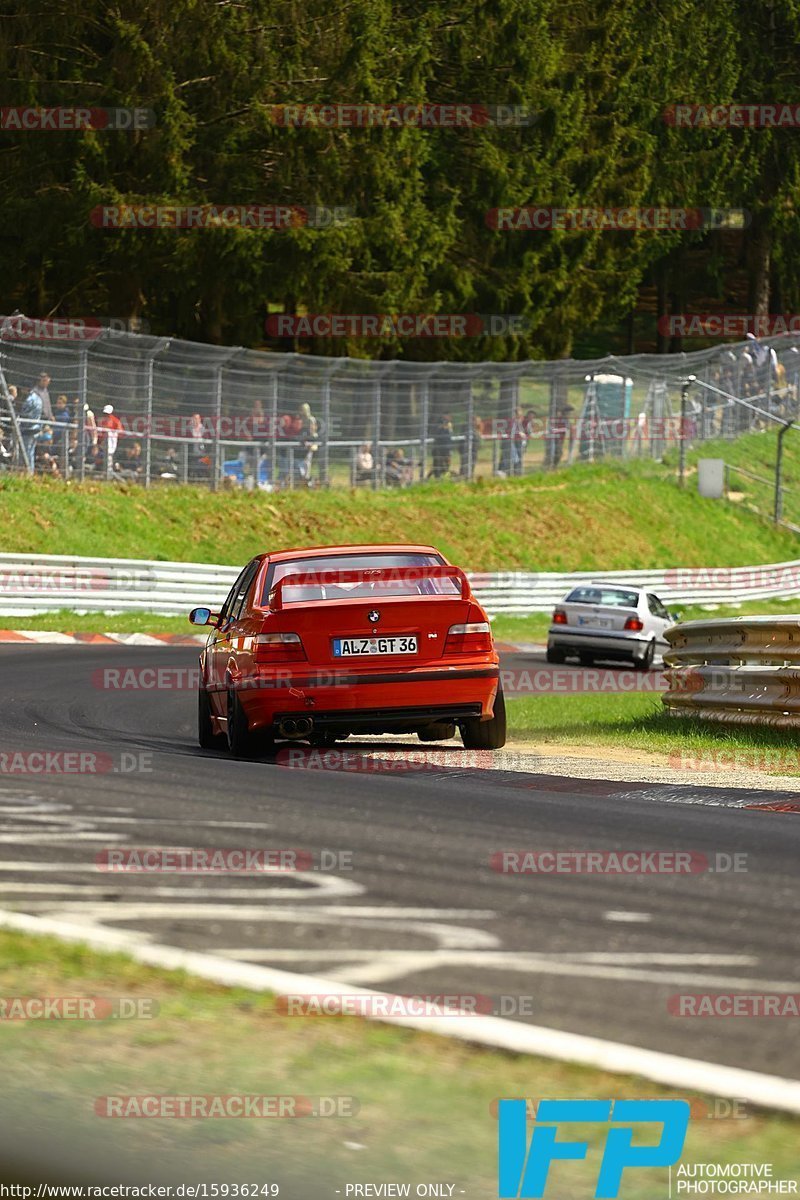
pixel 203 616
pixel 676 616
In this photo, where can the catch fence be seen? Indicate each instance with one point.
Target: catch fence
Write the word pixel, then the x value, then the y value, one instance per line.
pixel 184 412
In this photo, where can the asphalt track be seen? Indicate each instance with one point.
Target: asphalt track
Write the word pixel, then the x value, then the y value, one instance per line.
pixel 414 906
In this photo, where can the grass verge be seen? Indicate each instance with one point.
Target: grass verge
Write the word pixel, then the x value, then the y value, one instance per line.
pixel 636 721
pixel 425 1104
pixel 532 628
pixel 624 516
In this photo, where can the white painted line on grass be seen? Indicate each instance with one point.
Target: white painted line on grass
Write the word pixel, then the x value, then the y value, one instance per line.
pixel 670 1070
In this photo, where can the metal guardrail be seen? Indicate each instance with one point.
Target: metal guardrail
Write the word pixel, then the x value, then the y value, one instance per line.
pixel 739 670
pixel 38 583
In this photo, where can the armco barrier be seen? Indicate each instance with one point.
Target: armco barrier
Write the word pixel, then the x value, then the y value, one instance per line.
pixel 741 670
pixel 38 583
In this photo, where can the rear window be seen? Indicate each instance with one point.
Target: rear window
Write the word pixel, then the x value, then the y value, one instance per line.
pixel 610 597
pixel 326 590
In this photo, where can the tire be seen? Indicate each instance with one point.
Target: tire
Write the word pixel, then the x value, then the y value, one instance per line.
pixel 206 737
pixel 486 735
pixel 241 742
pixel 554 655
pixel 646 661
pixel 440 731
pixel 586 659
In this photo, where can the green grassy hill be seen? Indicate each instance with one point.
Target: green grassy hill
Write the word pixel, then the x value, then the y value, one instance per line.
pixel 586 517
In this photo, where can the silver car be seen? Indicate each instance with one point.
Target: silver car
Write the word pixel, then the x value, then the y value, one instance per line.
pixel 611 621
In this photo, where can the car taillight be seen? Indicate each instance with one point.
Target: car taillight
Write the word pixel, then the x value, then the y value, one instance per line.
pixel 560 617
pixel 278 647
pixel 475 638
pixel 635 624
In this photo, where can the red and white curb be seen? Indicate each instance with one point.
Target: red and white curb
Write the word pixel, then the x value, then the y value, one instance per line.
pixel 671 1070
pixel 48 637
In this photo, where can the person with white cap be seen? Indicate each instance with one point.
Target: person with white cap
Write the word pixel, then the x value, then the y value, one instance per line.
pixel 109 426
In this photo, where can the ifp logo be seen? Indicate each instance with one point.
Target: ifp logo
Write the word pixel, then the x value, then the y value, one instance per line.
pixel 523 1169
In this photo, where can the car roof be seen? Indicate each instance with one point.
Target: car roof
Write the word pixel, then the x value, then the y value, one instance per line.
pixel 361 548
pixel 618 584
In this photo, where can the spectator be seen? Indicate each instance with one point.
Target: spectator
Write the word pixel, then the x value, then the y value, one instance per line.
pixel 74 460
pixel 442 448
pixel 398 470
pixel 46 463
pixel 42 386
pixel 108 431
pixel 519 441
pixel 62 420
pixel 30 415
pixel 168 465
pixel 129 463
pixel 558 433
pixel 90 434
pixel 469 454
pixel 288 429
pixel 6 409
pixel 308 434
pixel 365 464
pixel 197 447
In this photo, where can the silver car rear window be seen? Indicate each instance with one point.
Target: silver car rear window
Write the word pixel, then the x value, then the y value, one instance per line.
pixel 609 597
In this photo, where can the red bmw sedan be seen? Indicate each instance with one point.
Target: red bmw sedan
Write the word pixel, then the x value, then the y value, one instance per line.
pixel 319 644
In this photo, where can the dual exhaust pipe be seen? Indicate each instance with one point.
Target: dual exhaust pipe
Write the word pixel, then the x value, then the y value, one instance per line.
pixel 295 727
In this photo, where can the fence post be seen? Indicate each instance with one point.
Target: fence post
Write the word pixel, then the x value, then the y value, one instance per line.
pixel 148 421
pixel 778 506
pixel 687 383
pixel 83 400
pixel 423 436
pixel 273 458
pixel 376 428
pixel 216 460
pixel 470 439
pixel 326 427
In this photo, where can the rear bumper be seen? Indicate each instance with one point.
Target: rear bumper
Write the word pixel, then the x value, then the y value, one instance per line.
pixel 378 700
pixel 609 645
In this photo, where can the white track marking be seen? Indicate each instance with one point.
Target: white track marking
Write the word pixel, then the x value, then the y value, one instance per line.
pixel 320 884
pixel 394 964
pixel 630 918
pixel 657 958
pixel 769 1091
pixel 444 936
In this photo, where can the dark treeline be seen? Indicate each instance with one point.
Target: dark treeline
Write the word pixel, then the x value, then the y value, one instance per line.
pixel 596 77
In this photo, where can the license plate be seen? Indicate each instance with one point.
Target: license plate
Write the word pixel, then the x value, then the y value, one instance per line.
pixel 595 622
pixel 353 647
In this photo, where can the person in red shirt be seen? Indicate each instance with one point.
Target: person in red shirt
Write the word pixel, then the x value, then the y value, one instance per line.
pixel 109 426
